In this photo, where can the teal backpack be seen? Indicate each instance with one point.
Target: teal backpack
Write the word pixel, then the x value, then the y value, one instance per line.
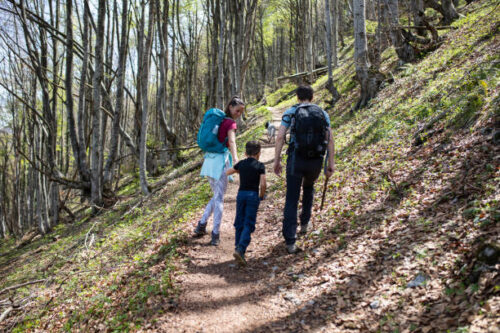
pixel 207 135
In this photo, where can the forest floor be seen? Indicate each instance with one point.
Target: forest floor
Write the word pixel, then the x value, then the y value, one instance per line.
pixel 353 281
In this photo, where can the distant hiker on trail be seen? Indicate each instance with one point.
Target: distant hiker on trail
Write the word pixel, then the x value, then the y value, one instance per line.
pixel 310 138
pixel 217 137
pixel 252 174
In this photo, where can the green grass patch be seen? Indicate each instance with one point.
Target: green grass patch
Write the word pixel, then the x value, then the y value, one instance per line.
pixel 275 97
pixel 262 112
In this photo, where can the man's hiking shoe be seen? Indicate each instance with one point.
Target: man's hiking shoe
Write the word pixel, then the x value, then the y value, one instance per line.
pixel 201 230
pixel 215 239
pixel 304 228
pixel 292 249
pixel 240 258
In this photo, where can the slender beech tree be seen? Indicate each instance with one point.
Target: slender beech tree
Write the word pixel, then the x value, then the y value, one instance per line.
pixel 220 56
pixel 161 101
pixel 82 165
pixel 329 84
pixel 68 84
pixel 335 27
pixel 120 94
pixel 97 143
pixel 144 74
pixel 369 78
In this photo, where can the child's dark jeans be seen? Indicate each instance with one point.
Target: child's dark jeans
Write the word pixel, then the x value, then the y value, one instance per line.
pixel 247 204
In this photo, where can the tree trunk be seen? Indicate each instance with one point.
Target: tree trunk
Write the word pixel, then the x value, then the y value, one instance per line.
pixel 330 86
pixel 404 49
pixel 334 30
pixel 220 57
pixel 368 77
pixel 449 12
pixel 172 79
pixel 417 7
pixel 82 105
pixel 341 22
pixel 310 38
pixel 51 206
pixel 161 103
pixel 262 57
pixel 214 33
pixel 120 92
pixel 75 145
pixel 232 44
pixel 248 31
pixel 96 142
pixel 144 92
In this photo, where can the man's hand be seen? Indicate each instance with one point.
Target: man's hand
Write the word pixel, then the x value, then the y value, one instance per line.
pixel 277 168
pixel 329 171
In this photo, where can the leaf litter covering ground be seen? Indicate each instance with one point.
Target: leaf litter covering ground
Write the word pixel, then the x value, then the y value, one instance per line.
pixel 353 277
pixel 395 215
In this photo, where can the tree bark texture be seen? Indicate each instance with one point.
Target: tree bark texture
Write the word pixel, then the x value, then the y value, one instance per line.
pixel 330 85
pixel 120 93
pixel 220 57
pixel 369 78
pixel 404 50
pixel 96 143
pixel 145 67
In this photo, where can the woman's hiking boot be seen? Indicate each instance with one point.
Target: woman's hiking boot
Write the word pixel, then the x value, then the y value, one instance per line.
pixel 201 230
pixel 240 257
pixel 215 239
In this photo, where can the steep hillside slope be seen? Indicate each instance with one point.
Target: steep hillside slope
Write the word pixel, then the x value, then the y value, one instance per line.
pixel 415 196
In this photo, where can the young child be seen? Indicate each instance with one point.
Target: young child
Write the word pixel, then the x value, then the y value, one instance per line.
pixel 252 173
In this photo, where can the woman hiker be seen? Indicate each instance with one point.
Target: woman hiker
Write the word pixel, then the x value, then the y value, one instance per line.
pixel 215 166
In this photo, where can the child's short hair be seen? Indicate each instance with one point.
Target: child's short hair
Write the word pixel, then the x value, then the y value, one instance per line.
pixel 252 148
pixel 305 93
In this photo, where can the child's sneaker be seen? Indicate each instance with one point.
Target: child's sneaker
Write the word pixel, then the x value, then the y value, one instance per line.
pixel 215 239
pixel 240 258
pixel 201 230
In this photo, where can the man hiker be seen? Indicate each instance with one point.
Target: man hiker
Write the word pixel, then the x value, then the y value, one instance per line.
pixel 310 138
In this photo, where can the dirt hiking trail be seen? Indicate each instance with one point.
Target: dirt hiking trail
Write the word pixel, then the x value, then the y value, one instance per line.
pixel 216 294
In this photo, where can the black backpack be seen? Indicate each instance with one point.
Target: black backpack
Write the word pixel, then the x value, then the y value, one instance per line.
pixel 310 129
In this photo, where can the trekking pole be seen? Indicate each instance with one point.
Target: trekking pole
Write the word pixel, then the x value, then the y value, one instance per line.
pixel 324 193
pixel 324 185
